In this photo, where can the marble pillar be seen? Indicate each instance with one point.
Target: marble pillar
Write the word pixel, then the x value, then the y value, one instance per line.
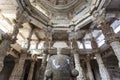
pixel 78 67
pixel 44 60
pixel 17 73
pixel 43 66
pixel 4 47
pixel 30 75
pixel 116 48
pixel 102 69
pixel 90 73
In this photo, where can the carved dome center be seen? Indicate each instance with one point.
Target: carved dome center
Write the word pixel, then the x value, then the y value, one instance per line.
pixel 59 2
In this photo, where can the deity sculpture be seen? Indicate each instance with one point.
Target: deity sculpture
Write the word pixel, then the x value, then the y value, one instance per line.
pixel 60 67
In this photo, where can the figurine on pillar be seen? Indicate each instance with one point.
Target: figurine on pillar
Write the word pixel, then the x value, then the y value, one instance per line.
pixel 60 67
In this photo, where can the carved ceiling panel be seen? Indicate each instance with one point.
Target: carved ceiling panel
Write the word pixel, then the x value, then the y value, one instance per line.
pixel 60 2
pixel 60 36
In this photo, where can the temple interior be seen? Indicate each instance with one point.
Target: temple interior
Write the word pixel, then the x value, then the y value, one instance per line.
pixel 59 39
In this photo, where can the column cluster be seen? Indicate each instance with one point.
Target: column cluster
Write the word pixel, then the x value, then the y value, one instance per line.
pixel 108 32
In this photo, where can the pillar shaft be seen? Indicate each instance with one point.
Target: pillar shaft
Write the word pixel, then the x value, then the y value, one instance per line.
pixel 44 60
pixel 17 73
pixel 90 73
pixel 43 66
pixel 78 67
pixel 102 69
pixel 30 75
pixel 4 47
pixel 116 48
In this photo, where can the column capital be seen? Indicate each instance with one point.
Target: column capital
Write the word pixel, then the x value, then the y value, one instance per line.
pixel 74 44
pixel 73 36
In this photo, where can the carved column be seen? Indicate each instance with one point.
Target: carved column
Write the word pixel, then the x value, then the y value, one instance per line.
pixel 78 67
pixel 44 60
pixel 90 73
pixel 17 73
pixel 30 75
pixel 102 69
pixel 116 47
pixel 4 47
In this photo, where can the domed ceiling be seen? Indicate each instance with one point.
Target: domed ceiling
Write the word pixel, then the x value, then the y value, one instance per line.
pixel 59 4
pixel 62 13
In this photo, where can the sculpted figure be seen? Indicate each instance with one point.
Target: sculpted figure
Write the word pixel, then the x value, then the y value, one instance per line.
pixel 60 67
